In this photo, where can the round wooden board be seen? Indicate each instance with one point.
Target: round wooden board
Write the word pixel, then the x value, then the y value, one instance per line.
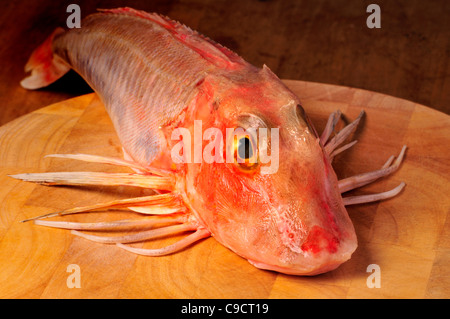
pixel 408 237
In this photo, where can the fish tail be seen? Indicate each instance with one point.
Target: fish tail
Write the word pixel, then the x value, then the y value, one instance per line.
pixel 45 66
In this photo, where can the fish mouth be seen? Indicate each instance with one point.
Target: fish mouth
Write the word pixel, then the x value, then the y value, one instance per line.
pixel 293 271
pixel 329 263
pixel 318 253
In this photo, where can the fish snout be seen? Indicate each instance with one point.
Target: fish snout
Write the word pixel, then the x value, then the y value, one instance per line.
pixel 311 243
pixel 319 253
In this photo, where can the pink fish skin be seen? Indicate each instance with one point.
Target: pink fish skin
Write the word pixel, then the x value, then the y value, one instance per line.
pixel 155 75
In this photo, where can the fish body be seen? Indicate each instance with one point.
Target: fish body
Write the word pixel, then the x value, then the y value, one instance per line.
pixel 154 76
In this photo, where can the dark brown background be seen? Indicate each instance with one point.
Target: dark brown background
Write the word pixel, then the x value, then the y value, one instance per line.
pixel 322 41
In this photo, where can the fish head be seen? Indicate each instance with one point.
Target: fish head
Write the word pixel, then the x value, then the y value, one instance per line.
pixel 268 192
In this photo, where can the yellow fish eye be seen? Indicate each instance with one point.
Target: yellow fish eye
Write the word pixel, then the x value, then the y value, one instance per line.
pixel 245 152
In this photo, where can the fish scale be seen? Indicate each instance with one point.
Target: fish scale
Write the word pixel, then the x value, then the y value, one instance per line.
pixel 149 67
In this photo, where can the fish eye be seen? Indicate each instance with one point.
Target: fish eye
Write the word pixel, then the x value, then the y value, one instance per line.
pixel 245 152
pixel 245 149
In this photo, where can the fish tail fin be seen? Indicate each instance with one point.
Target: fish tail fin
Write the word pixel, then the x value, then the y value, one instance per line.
pixel 45 67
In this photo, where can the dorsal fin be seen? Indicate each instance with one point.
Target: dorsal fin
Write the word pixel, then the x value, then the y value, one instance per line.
pixel 207 48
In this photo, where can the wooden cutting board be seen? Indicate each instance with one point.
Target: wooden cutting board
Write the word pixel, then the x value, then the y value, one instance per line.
pixel 408 237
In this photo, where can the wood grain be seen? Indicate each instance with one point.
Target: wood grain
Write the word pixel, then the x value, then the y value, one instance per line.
pixel 324 41
pixel 408 236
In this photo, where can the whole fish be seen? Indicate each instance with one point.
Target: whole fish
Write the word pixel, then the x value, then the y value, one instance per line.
pixel 162 85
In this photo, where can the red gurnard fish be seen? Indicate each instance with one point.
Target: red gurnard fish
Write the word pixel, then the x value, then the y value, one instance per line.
pixel 155 76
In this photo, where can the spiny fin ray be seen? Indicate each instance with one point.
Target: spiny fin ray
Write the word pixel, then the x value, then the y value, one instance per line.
pixel 367 178
pixel 98 178
pixel 361 199
pixel 112 161
pixel 183 243
pixel 137 237
pixel 171 200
